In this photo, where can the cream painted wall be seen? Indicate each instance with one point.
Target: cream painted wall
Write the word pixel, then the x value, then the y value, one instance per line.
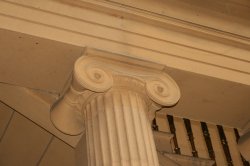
pixel 25 143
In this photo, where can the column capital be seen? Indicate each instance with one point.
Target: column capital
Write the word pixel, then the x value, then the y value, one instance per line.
pixel 99 74
pixel 95 74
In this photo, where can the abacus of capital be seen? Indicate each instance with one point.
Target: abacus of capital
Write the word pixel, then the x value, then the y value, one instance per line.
pixel 114 101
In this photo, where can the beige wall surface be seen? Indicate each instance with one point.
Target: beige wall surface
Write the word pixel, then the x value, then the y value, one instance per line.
pixel 212 100
pixel 34 73
pixel 44 66
pixel 25 143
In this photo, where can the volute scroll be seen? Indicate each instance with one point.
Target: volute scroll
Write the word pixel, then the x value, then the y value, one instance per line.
pixel 163 91
pixel 92 76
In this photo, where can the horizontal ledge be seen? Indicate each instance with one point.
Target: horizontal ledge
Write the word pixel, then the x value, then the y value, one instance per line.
pixel 126 50
pixel 83 23
pixel 138 14
pixel 169 54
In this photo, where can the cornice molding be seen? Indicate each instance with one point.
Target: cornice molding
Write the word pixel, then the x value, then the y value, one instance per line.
pixel 117 28
pixel 122 9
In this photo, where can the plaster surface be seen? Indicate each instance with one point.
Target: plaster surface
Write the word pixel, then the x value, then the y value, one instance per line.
pixel 211 100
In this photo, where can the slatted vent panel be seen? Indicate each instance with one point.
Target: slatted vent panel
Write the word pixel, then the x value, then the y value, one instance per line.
pixel 202 140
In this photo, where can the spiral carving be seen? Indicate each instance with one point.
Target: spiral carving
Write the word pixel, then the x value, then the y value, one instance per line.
pixel 92 77
pixel 162 92
pixel 96 74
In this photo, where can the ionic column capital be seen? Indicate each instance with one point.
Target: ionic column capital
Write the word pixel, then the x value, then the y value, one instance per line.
pixel 97 74
pixel 100 74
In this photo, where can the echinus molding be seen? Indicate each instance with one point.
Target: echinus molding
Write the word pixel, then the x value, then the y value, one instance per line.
pixel 217 45
pixel 113 100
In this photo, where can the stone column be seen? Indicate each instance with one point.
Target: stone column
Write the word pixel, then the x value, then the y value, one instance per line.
pixel 114 102
pixel 119 130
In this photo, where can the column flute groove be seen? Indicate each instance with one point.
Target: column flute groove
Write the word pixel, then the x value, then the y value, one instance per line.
pixel 103 131
pixel 121 128
pixel 139 139
pixel 127 128
pixel 113 136
pixel 144 131
pixel 95 129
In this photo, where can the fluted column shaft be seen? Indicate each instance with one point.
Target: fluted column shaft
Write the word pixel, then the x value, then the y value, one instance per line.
pixel 119 131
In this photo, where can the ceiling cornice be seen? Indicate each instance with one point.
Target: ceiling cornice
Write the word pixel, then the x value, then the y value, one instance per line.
pixel 166 19
pixel 118 28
